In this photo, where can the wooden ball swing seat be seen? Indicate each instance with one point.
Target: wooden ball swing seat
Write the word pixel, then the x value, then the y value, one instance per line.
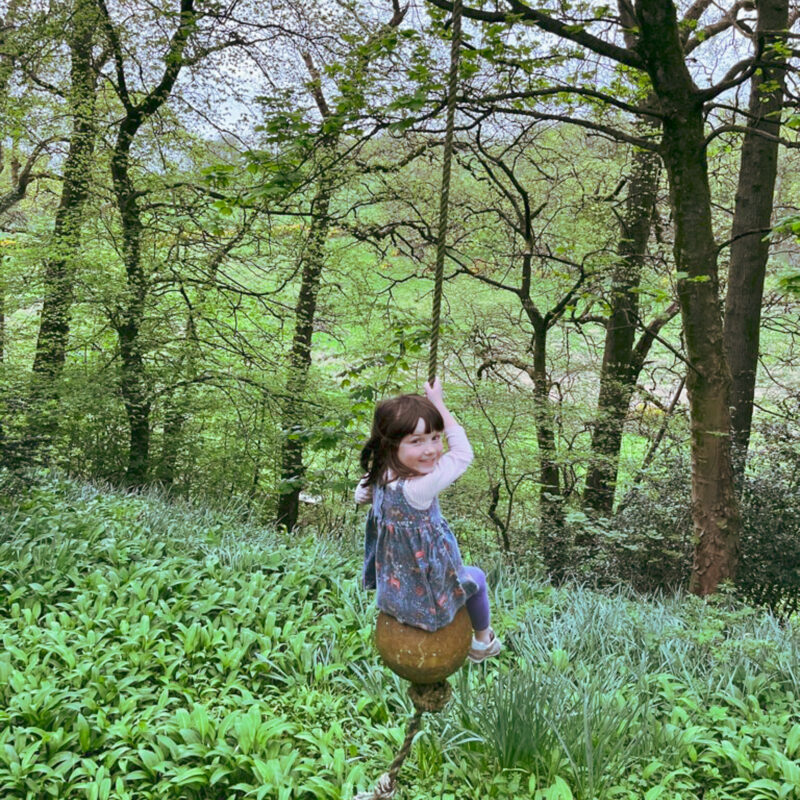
pixel 426 658
pixel 423 657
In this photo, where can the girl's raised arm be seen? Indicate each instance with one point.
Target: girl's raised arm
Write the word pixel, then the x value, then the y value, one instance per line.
pixel 435 394
pixel 421 491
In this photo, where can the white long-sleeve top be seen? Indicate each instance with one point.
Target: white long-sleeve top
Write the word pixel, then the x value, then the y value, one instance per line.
pixel 421 490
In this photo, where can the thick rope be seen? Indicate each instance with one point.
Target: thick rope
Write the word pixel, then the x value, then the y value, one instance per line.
pixel 444 197
pixel 427 697
pixel 387 783
pixel 430 697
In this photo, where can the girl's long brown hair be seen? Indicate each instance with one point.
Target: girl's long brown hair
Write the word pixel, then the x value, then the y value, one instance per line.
pixel 394 419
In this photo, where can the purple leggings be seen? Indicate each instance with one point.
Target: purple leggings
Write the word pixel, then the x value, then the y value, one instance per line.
pixel 478 604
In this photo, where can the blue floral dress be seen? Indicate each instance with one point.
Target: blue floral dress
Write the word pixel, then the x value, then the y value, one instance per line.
pixel 411 558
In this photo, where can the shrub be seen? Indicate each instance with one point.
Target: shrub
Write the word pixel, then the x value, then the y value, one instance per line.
pixel 648 544
pixel 769 571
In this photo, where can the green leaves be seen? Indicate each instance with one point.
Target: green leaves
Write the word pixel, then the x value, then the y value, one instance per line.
pixel 141 676
pixel 162 662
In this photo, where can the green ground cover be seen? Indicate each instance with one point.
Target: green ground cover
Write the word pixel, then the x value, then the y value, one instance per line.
pixel 155 650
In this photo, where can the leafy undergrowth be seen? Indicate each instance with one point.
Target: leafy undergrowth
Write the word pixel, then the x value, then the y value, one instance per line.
pixel 154 650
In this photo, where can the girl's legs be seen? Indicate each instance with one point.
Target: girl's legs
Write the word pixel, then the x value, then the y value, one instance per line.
pixel 478 606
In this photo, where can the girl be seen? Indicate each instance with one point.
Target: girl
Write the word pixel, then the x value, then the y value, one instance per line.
pixel 411 556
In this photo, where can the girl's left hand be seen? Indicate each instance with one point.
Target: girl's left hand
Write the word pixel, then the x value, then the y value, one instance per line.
pixel 434 393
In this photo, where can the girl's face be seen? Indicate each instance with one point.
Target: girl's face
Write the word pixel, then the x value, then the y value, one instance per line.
pixel 420 451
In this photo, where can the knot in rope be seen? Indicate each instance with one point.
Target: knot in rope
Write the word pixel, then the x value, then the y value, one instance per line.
pixel 385 789
pixel 430 697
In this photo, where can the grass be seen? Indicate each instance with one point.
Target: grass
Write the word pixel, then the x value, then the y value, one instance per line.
pixel 159 650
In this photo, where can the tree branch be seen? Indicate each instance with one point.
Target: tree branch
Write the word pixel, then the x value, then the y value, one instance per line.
pixel 613 133
pixel 754 132
pixel 26 175
pixel 316 86
pixel 727 20
pixel 581 91
pixel 572 33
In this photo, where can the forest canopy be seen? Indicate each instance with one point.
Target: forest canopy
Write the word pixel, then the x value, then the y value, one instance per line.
pixel 219 225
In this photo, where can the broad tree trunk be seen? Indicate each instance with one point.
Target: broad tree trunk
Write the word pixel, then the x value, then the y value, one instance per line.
pixel 312 261
pixel 618 373
pixel 715 509
pixel 751 222
pixel 59 270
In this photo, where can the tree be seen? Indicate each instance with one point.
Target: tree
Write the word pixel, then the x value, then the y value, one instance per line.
pixel 659 56
pixel 621 366
pixel 138 108
pixel 18 35
pixel 516 209
pixel 752 220
pixel 515 233
pixel 312 260
pixel 59 272
pixel 328 171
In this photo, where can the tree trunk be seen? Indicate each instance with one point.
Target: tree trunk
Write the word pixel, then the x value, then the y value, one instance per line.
pixel 129 318
pixel 618 375
pixel 174 418
pixel 751 222
pixel 312 261
pixel 551 502
pixel 134 384
pixel 59 272
pixel 715 509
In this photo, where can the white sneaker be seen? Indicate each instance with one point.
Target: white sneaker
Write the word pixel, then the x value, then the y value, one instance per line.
pixel 480 651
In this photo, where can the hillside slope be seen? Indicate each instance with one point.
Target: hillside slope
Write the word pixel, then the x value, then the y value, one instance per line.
pixel 156 650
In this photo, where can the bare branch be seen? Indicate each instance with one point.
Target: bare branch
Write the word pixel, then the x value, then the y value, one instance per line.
pixel 24 178
pixel 639 111
pixel 736 75
pixel 728 20
pixel 572 33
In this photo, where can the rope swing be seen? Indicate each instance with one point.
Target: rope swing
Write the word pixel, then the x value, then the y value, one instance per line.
pixel 444 194
pixel 426 659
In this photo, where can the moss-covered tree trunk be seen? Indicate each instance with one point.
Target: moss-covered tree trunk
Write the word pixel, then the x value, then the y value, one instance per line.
pixel 59 267
pixel 752 219
pixel 619 370
pixel 551 501
pixel 134 385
